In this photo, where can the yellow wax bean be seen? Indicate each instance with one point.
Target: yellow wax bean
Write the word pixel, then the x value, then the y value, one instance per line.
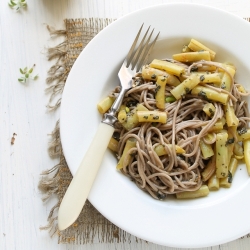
pixel 231 118
pixel 209 68
pixel 192 56
pixel 243 134
pixel 131 143
pixel 132 118
pixel 213 183
pixel 131 121
pixel 209 78
pixel 197 46
pixel 226 182
pixel 209 109
pixel 203 191
pixel 140 107
pixel 218 126
pixel 152 116
pixel 209 169
pixel 246 145
pixel 104 105
pixel 241 89
pixel 230 144
pixel 206 149
pixel 210 94
pixel 221 155
pixel 238 151
pixel 185 87
pixel 209 137
pixel 225 65
pixel 160 149
pixel 122 116
pixel 226 82
pixel 169 67
pixel 223 120
pixel 113 144
pixel 160 94
pixel 149 73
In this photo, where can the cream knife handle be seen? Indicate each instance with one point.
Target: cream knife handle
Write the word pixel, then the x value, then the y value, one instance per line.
pixel 81 183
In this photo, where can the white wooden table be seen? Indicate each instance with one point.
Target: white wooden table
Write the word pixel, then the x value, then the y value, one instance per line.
pixel 23 42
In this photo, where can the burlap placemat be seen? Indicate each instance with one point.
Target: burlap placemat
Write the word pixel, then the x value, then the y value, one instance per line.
pixel 90 223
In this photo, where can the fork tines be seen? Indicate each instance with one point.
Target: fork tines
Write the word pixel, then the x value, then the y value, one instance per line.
pixel 138 54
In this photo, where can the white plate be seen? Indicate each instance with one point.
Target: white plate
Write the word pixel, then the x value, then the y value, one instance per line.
pixel 222 216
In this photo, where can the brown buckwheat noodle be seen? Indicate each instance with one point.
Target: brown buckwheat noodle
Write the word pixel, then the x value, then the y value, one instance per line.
pixel 186 125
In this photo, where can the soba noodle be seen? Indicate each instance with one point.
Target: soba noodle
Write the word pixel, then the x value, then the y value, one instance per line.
pixel 186 125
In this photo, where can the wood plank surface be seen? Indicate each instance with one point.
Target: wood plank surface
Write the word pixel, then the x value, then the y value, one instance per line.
pixel 23 42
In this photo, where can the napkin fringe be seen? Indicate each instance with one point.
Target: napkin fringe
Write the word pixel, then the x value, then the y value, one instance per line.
pixel 55 146
pixel 57 74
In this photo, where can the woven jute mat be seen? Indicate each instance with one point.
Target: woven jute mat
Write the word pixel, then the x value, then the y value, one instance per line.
pixel 54 182
pixel 90 223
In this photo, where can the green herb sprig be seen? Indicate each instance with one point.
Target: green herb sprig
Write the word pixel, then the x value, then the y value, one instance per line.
pixel 17 4
pixel 27 74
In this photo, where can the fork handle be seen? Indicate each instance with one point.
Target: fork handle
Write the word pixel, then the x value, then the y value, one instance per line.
pixel 79 188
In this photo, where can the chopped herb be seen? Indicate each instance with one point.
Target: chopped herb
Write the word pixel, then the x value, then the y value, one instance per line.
pixel 202 77
pixel 211 112
pixel 153 76
pixel 170 99
pixel 230 141
pixel 161 196
pixel 145 117
pixel 223 85
pixel 139 81
pixel 193 69
pixel 187 90
pixel 223 174
pixel 116 136
pixel 230 177
pixel 202 94
pixel 164 79
pixel 157 88
pixel 156 117
pixel 131 103
pixel 242 131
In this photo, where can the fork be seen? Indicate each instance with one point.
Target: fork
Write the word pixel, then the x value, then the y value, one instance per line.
pixel 80 186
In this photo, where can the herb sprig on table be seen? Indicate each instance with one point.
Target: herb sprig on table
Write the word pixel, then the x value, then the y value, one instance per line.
pixel 27 74
pixel 17 4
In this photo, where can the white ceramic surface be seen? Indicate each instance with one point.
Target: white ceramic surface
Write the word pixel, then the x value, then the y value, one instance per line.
pixel 218 218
